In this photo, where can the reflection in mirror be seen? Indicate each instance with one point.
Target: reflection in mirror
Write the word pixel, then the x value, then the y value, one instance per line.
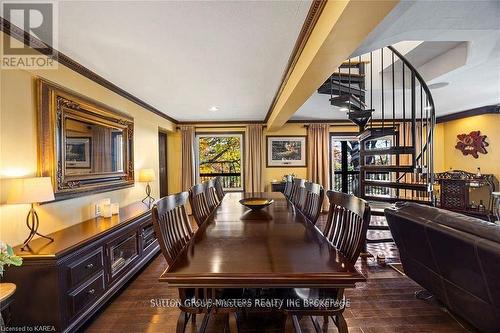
pixel 92 148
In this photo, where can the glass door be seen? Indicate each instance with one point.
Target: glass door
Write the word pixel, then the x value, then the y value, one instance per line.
pixel 345 164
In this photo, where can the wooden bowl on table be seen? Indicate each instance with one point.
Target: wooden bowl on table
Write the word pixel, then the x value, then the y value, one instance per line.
pixel 256 203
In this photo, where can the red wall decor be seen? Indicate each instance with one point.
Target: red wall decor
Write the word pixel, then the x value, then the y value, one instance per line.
pixel 472 143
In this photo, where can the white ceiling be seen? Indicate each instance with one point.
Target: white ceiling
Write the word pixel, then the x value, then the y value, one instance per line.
pixel 473 83
pixel 183 57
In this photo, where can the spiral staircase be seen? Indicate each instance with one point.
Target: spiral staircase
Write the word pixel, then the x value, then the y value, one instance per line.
pixel 385 96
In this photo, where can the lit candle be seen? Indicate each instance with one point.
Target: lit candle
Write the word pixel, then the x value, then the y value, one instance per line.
pixel 115 208
pixel 106 210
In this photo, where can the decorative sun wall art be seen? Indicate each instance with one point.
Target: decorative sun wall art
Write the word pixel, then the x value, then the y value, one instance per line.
pixel 472 144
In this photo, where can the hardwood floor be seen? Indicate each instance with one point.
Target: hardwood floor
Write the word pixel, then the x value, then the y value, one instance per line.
pixel 384 304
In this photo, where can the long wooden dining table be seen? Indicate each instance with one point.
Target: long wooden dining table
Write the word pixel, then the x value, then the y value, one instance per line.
pixel 276 247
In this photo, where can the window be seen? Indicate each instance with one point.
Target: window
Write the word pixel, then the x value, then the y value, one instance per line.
pixel 345 164
pixel 220 155
pixel 385 142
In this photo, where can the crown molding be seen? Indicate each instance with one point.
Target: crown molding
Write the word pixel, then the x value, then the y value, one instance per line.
pixel 487 109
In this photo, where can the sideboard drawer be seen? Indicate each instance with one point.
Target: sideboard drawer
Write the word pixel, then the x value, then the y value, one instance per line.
pixel 82 269
pixel 86 294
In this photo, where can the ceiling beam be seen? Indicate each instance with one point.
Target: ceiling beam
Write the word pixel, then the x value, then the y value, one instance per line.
pixel 341 28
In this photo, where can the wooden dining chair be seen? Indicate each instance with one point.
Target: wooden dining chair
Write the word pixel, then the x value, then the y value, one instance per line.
pixel 312 201
pixel 211 194
pixel 297 191
pixel 347 223
pixel 219 188
pixel 346 227
pixel 288 186
pixel 173 230
pixel 199 203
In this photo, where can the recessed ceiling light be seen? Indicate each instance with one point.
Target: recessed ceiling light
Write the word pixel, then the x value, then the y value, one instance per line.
pixel 438 85
pixel 344 109
pixel 213 109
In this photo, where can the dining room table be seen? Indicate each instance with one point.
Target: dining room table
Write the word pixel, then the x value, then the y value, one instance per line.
pixel 274 247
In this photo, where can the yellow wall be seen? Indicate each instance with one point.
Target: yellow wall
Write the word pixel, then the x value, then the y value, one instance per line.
pixel 439 164
pixel 445 154
pixel 269 174
pixel 18 149
pixel 489 125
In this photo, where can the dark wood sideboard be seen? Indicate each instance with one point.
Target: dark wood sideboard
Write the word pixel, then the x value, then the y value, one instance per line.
pixel 63 283
pixel 462 191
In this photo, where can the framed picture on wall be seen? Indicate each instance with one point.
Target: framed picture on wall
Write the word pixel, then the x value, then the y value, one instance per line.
pixel 78 152
pixel 286 151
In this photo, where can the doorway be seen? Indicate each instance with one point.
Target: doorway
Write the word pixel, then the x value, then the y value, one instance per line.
pixel 344 173
pixel 162 154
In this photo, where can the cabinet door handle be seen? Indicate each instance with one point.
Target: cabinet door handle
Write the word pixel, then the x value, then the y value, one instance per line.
pixel 91 291
pixel 89 266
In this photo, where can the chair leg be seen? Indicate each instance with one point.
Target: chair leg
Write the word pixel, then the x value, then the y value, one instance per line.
pixel 341 324
pixel 181 322
pixel 296 324
pixel 315 323
pixel 204 323
pixel 233 324
pixel 289 324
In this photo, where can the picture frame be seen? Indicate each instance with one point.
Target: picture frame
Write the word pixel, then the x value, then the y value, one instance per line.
pixel 286 151
pixel 57 108
pixel 78 153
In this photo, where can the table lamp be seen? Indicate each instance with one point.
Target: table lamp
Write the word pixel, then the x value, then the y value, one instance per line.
pixel 147 176
pixel 30 191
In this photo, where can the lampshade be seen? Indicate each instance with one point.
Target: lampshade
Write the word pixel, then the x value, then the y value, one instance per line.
pixel 146 175
pixel 30 190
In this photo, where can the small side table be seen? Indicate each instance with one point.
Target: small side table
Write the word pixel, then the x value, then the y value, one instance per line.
pixel 496 206
pixel 278 186
pixel 7 291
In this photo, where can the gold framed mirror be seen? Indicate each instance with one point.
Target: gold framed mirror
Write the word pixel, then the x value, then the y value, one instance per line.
pixel 84 146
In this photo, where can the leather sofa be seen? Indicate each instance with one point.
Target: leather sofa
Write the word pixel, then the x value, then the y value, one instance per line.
pixel 453 256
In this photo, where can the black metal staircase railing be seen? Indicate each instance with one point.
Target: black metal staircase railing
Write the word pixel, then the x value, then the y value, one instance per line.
pixel 385 96
pixel 390 102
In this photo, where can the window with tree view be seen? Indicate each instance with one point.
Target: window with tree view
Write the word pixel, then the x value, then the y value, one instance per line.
pixel 221 155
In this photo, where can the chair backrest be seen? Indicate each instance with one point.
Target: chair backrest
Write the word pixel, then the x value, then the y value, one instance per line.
pixel 288 186
pixel 219 188
pixel 199 203
pixel 211 194
pixel 347 223
pixel 313 201
pixel 297 191
pixel 171 224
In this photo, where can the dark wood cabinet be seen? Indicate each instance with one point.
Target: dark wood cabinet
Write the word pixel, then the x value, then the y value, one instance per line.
pixel 463 192
pixel 61 284
pixel 278 187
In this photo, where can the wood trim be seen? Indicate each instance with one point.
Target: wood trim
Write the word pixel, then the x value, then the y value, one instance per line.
pixel 24 37
pixel 313 15
pixel 221 122
pixel 488 109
